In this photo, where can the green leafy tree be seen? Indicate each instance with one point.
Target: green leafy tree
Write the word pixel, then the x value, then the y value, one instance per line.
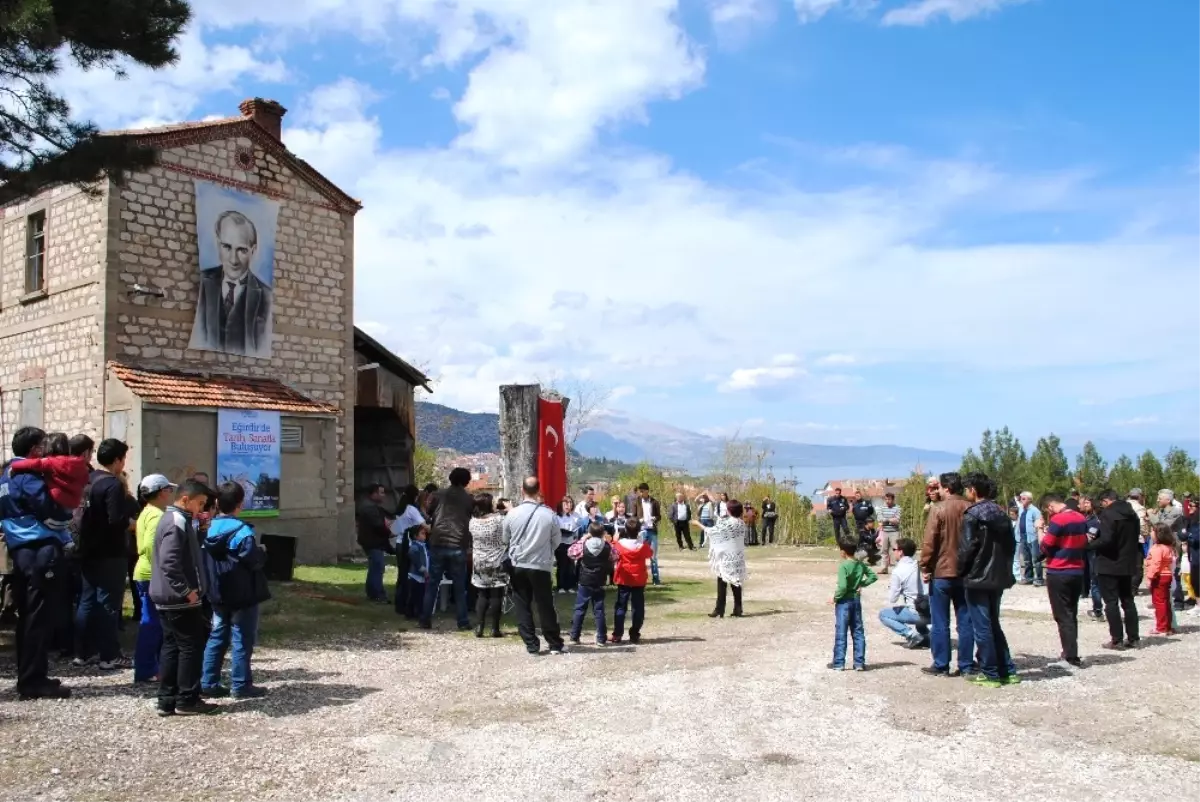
pixel 1150 475
pixel 912 507
pixel 1048 468
pixel 40 144
pixel 1124 476
pixel 424 465
pixel 1091 471
pixel 1179 472
pixel 1002 457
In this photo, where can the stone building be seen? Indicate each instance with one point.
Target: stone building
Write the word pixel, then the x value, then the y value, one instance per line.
pixel 222 277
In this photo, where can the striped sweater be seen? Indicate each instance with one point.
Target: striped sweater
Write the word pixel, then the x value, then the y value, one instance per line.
pixel 1065 542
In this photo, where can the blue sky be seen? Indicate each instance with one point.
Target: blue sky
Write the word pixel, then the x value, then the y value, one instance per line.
pixel 835 221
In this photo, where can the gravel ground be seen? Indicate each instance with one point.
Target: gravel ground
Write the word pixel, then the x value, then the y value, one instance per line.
pixel 700 710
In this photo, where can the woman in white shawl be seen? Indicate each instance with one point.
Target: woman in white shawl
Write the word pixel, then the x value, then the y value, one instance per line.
pixel 727 558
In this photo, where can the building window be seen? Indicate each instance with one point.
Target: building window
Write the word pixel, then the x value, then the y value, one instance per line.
pixel 31 407
pixel 291 438
pixel 35 252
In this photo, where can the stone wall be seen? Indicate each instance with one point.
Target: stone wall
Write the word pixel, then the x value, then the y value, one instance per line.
pixel 152 240
pixel 51 340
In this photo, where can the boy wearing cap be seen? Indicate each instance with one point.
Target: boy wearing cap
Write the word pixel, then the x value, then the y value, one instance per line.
pixel 155 492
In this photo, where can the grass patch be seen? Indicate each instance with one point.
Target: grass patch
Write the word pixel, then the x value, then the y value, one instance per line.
pixel 328 602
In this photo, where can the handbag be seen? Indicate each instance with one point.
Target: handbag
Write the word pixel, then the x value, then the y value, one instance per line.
pixel 921 603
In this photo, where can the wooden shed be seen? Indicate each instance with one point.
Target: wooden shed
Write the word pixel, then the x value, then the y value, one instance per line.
pixel 384 416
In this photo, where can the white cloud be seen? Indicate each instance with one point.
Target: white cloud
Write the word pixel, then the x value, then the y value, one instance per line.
pixel 759 378
pixel 836 359
pixel 152 97
pixel 736 12
pixel 926 11
pixel 622 391
pixel 813 10
pixel 1144 420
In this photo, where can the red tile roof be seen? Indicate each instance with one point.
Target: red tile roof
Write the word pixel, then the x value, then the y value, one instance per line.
pixel 230 392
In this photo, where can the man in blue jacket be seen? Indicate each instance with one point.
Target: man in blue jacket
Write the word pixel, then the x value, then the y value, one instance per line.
pixel 37 555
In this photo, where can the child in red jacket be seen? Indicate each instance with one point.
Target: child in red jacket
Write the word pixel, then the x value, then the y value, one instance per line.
pixel 1160 566
pixel 630 576
pixel 65 476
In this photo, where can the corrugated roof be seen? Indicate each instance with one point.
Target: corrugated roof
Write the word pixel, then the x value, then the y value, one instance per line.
pixel 229 392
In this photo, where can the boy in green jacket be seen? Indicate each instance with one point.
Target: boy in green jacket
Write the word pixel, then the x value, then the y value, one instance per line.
pixel 853 576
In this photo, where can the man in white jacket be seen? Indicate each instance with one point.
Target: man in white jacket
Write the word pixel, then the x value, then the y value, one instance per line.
pixel 532 532
pixel 900 615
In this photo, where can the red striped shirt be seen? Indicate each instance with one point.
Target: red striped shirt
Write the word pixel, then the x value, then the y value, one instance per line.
pixel 1065 542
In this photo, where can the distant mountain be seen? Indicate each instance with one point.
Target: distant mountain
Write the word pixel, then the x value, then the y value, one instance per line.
pixel 618 436
pixel 465 432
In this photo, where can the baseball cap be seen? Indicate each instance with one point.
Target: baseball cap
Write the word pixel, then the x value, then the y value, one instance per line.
pixel 155 482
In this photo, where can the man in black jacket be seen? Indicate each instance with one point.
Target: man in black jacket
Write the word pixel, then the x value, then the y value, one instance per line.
pixel 838 507
pixel 103 561
pixel 680 515
pixel 985 557
pixel 371 520
pixel 1117 557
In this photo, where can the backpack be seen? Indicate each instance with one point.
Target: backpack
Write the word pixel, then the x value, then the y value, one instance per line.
pixel 78 514
pixel 237 586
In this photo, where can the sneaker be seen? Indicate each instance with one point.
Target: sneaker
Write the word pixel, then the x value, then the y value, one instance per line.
pixel 635 639
pixel 215 692
pixel 1132 643
pixel 983 681
pixel 164 712
pixel 1077 662
pixel 197 709
pixel 575 641
pixel 1011 679
pixel 1115 646
pixel 601 643
pixel 616 639
pixel 1039 584
pixel 83 662
pixel 860 668
pixel 935 672
pixel 835 667
pixel 562 592
pixel 121 663
pixel 558 652
pixel 249 692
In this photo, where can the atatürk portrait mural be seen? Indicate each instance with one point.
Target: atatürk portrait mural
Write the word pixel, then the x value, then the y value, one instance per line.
pixel 236 240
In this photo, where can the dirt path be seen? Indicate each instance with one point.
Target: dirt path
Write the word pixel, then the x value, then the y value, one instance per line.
pixel 701 709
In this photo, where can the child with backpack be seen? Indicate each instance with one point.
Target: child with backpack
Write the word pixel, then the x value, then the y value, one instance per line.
pixel 594 558
pixel 630 576
pixel 236 587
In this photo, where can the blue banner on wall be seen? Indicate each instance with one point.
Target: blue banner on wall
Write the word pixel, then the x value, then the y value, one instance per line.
pixel 248 453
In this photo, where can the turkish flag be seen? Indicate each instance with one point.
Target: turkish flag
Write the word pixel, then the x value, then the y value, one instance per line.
pixel 552 451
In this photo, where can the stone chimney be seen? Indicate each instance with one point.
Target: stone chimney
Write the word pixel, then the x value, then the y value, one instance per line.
pixel 267 113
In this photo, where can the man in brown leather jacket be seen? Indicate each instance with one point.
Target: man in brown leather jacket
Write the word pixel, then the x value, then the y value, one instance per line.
pixel 939 564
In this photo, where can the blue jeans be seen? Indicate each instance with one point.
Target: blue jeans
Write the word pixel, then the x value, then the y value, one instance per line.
pixel 848 616
pixel 995 661
pixel 594 598
pixel 240 628
pixel 149 638
pixel 99 613
pixel 905 622
pixel 1030 553
pixel 444 561
pixel 1089 573
pixel 376 563
pixel 652 539
pixel 945 592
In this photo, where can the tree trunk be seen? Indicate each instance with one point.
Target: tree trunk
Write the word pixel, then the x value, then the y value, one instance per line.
pixel 518 436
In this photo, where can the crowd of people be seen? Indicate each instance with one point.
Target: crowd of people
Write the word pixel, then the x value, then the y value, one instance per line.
pixel 77 537
pixel 485 550
pixel 973 550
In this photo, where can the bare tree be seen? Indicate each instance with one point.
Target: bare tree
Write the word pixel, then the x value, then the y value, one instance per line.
pixel 588 399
